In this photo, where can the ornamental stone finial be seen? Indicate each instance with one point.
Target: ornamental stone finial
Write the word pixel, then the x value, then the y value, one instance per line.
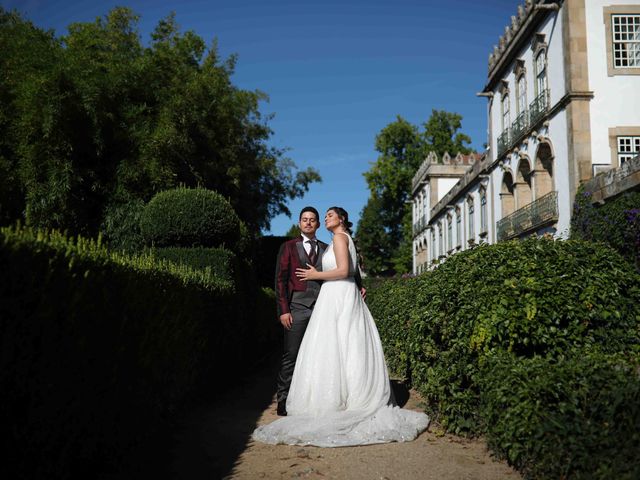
pixel 521 12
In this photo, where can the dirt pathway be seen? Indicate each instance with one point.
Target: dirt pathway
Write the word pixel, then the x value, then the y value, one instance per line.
pixel 213 442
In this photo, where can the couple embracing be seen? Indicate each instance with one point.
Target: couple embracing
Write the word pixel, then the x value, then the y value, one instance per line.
pixel 333 385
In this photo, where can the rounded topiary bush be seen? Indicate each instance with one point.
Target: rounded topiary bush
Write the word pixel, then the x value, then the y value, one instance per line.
pixel 189 217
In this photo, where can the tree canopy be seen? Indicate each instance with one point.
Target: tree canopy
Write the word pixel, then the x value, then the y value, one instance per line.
pixel 94 121
pixel 384 232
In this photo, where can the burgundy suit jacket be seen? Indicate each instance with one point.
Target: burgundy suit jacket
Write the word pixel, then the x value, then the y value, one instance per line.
pixel 292 255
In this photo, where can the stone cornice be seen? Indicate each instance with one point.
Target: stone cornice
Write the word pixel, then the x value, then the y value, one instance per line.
pixel 478 169
pixel 517 35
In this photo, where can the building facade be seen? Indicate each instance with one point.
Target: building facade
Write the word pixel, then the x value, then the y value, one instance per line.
pixel 563 91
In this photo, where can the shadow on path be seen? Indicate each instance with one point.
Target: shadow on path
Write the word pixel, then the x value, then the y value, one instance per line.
pixel 206 441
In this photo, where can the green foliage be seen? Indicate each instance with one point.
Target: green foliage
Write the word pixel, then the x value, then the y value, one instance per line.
pixel 441 133
pixel 570 417
pixel 616 223
pixel 218 262
pixel 293 232
pixel 185 217
pixel 121 226
pixel 99 347
pixel 384 231
pixel 531 298
pixel 95 120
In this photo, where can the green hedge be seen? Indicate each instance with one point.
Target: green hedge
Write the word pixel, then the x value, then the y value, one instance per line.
pixel 534 297
pixel 98 347
pixel 219 262
pixel 616 223
pixel 571 417
pixel 190 217
pixel 499 340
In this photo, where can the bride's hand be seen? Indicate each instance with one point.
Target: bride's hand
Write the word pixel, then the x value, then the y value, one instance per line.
pixel 305 274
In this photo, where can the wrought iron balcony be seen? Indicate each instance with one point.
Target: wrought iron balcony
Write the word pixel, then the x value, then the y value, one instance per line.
pixel 520 125
pixel 538 213
pixel 524 122
pixel 538 107
pixel 419 226
pixel 503 141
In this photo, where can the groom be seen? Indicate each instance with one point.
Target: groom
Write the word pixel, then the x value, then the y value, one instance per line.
pixel 296 298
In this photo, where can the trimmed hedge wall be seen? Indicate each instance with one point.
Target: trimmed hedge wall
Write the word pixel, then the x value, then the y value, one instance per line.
pixel 536 298
pixel 219 262
pixel 570 417
pixel 98 347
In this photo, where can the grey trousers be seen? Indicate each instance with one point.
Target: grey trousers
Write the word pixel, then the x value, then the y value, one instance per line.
pixel 292 341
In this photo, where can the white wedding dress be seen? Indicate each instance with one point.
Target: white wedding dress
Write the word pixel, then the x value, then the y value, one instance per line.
pixel 340 393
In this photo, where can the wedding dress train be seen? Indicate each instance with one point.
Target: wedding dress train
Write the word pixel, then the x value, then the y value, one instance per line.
pixel 340 393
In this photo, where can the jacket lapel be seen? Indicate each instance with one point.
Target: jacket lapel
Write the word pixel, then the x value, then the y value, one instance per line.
pixel 302 254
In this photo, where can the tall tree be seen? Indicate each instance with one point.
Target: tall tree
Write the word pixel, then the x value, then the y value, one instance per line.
pixel 441 133
pixel 97 123
pixel 384 232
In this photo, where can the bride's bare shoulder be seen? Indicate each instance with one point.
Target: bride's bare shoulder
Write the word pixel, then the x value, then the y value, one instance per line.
pixel 344 239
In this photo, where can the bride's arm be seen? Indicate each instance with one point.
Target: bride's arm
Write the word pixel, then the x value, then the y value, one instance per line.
pixel 341 251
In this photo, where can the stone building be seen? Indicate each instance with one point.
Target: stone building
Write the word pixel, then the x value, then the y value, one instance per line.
pixel 563 91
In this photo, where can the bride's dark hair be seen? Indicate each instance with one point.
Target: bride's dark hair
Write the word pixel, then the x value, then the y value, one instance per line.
pixel 344 216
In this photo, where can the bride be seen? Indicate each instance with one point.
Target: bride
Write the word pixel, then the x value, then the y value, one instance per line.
pixel 340 393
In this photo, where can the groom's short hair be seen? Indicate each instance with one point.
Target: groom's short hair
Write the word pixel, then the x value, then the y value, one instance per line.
pixel 309 209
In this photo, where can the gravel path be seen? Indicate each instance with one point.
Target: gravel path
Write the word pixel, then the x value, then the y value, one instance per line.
pixel 213 442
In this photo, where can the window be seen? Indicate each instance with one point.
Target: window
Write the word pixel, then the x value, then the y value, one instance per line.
pixel 541 73
pixel 506 116
pixel 522 94
pixel 628 148
pixel 458 226
pixel 626 41
pixel 449 233
pixel 434 252
pixel 483 210
pixel 440 242
pixel 472 233
pixel 622 39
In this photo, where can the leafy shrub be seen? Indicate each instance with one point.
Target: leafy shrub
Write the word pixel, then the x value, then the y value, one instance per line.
pixel 190 217
pixel 571 417
pixel 218 262
pixel 616 223
pixel 121 226
pixel 535 297
pixel 98 347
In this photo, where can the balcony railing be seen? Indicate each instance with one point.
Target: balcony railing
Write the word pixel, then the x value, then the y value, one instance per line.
pixel 520 125
pixel 504 141
pixel 538 213
pixel 538 107
pixel 523 122
pixel 419 226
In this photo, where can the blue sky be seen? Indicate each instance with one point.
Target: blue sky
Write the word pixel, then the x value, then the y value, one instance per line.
pixel 336 72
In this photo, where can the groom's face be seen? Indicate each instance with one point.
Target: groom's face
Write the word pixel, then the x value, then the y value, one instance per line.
pixel 309 224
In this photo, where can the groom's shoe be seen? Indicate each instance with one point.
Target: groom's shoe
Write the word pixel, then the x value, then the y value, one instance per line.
pixel 282 408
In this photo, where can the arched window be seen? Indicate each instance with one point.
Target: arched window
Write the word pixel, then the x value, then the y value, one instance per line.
pixel 470 208
pixel 541 72
pixel 434 251
pixel 522 94
pixel 458 226
pixel 506 114
pixel 483 210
